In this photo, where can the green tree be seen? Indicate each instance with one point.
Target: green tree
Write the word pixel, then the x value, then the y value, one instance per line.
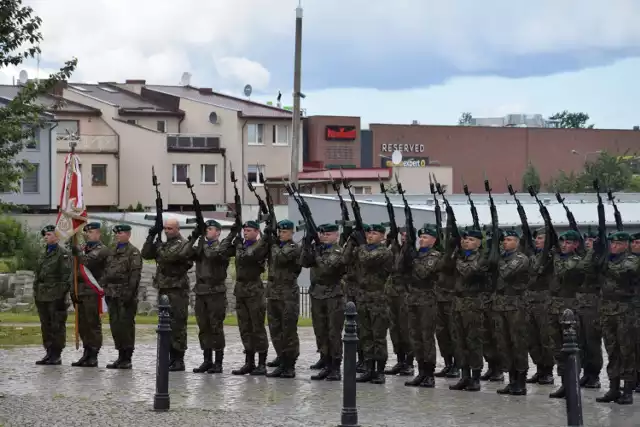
pixel 531 178
pixel 466 119
pixel 565 183
pixel 19 40
pixel 612 172
pixel 572 120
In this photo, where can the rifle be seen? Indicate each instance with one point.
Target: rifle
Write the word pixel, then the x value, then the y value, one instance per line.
pixel 494 250
pixel 616 212
pixel 408 215
pixel 437 211
pixel 544 212
pixel 474 211
pixel 573 225
pixel 454 231
pixel 355 207
pixel 159 223
pixel 344 222
pixel 601 243
pixel 199 219
pixel 393 226
pixel 268 199
pixel 527 236
pixel 307 221
pixel 237 202
pixel 263 214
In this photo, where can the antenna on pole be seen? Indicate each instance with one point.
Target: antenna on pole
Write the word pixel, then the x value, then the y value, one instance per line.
pixel 38 68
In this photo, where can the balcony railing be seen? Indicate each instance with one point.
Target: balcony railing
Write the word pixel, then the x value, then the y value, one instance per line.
pixel 194 143
pixel 89 144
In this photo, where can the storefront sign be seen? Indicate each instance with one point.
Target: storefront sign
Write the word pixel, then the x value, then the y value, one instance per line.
pixel 405 148
pixel 340 133
pixel 412 162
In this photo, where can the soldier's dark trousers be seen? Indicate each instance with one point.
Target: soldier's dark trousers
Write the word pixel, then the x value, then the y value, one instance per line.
pixel 538 331
pixel 590 338
pixel 374 325
pixel 468 335
pixel 444 329
pixel 251 312
pixel 617 331
pixel 328 320
pixel 179 302
pixel 489 345
pixel 210 310
pixel 399 324
pixel 511 340
pixel 283 326
pixel 122 321
pixel 422 326
pixel 555 328
pixel 89 324
pixel 53 323
pixel 313 301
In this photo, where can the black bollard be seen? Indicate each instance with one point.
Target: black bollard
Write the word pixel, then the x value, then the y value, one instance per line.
pixel 161 399
pixel 572 369
pixel 349 410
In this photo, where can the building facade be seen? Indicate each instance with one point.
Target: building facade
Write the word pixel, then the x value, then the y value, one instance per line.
pixel 332 141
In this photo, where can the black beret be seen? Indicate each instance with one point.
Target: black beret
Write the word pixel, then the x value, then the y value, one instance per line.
pixel 212 223
pixel 285 224
pixel 121 227
pixel 328 228
pixel 378 228
pixel 634 236
pixel 48 229
pixel 428 229
pixel 251 224
pixel 620 236
pixel 92 226
pixel 473 233
pixel 571 235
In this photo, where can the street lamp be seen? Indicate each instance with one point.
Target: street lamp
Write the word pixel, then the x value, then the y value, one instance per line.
pixel 576 152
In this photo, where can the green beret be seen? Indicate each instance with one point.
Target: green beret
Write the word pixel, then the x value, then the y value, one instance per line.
pixel 428 229
pixel 619 236
pixel 570 235
pixel 473 233
pixel 285 224
pixel 328 228
pixel 540 231
pixel 366 227
pixel 591 233
pixel 92 226
pixel 379 228
pixel 212 223
pixel 121 228
pixel 48 229
pixel 511 233
pixel 634 236
pixel 251 224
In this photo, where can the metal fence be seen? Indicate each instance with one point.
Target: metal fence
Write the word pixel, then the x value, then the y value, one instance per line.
pixel 305 302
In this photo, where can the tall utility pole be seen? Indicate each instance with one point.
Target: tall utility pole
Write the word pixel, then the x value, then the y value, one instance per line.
pixel 295 135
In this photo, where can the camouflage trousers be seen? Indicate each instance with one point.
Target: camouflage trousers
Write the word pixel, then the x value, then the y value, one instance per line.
pixel 618 332
pixel 538 332
pixel 313 324
pixel 399 324
pixel 374 325
pixel 210 312
pixel 510 332
pixel 555 330
pixel 422 327
pixel 122 321
pixel 179 302
pixel 590 339
pixel 89 324
pixel 327 316
pixel 489 339
pixel 444 329
pixel 53 323
pixel 282 315
pixel 251 312
pixel 468 333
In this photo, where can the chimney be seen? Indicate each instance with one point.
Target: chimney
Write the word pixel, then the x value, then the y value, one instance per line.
pixel 205 91
pixel 59 87
pixel 135 82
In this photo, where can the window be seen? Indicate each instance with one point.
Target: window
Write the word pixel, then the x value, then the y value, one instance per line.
pixel 132 122
pixel 253 174
pixel 99 175
pixel 208 174
pixel 161 126
pixel 361 190
pixel 281 135
pixel 254 134
pixel 30 181
pixel 180 173
pixel 65 127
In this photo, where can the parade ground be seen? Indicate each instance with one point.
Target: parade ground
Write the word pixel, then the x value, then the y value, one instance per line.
pixel 33 395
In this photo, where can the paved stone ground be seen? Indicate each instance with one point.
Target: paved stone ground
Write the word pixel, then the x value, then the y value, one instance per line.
pixel 64 396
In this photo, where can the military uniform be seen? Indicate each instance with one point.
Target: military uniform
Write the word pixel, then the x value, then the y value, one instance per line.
pixel 327 266
pixel 618 322
pixel 283 302
pixel 120 281
pixel 445 293
pixel 636 306
pixel 349 284
pixel 89 324
pixel 489 330
pixel 212 262
pixel 250 301
pixel 52 282
pixel 173 264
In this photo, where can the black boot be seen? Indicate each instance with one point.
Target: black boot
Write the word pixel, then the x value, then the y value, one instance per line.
pixel 249 364
pixel 407 368
pixel 613 393
pixel 277 372
pixel 535 377
pixel 561 392
pixel 172 358
pixel 115 363
pixel 429 380
pixel 510 386
pixel 583 379
pixel 46 358
pixel 92 358
pixel 417 380
pixel 80 362
pixel 448 364
pixel 276 362
pixel 368 374
pixel 474 384
pixel 463 382
pixel 178 362
pixel 361 365
pixel 395 369
pixel 497 375
pixel 207 362
pixel 56 357
pixel 593 381
pixel 638 380
pixel 261 369
pixel 324 372
pixel 378 376
pixel 488 373
pixel 546 376
pixel 454 371
pixel 127 355
pixel 289 365
pixel 216 368
pixel 626 398
pixel 520 386
pixel 335 374
pixel 320 363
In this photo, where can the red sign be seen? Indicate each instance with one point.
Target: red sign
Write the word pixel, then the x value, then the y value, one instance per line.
pixel 340 133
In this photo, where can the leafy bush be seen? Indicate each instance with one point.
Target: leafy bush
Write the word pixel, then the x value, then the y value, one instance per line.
pixel 12 233
pixel 29 252
pixel 5 267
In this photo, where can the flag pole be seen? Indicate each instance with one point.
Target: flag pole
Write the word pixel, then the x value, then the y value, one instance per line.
pixel 72 144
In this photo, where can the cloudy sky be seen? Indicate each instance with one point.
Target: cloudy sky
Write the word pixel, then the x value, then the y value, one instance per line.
pixel 386 61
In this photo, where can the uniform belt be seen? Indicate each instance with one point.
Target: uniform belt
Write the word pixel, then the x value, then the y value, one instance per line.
pixel 468 294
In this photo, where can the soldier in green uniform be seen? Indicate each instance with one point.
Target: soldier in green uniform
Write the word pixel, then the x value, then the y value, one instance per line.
pixel 509 314
pixel 349 283
pixel 490 339
pixel 374 263
pixel 635 250
pixel 173 264
pixel 445 292
pixel 89 324
pixel 396 294
pixel 424 265
pixel 588 297
pixel 120 281
pixel 211 257
pixel 251 255
pixel 283 300
pixel 618 318
pixel 52 282
pixel 327 267
pixel 537 300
